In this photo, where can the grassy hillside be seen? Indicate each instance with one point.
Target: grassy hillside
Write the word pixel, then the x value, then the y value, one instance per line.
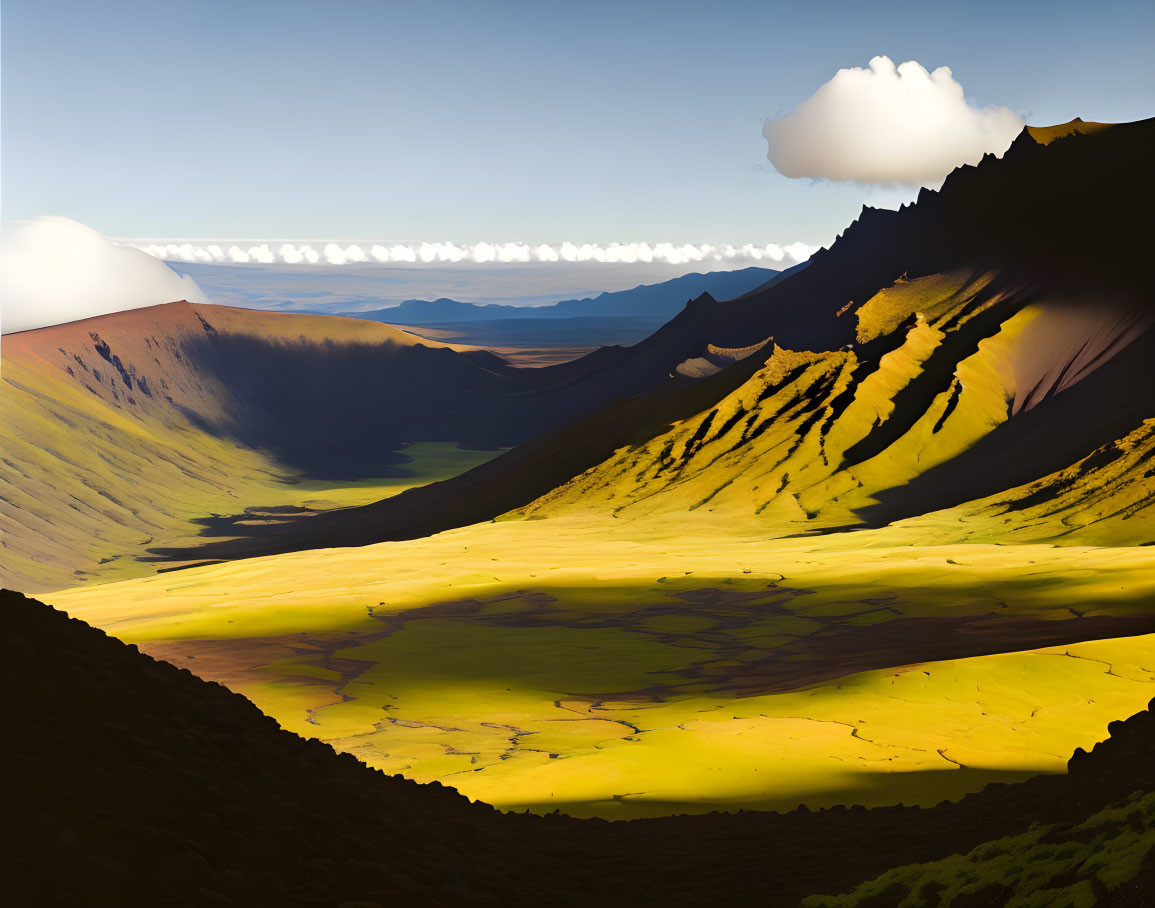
pixel 1049 865
pixel 145 429
pixel 1100 857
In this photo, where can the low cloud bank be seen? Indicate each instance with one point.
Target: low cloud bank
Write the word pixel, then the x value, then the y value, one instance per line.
pixel 55 270
pixel 887 124
pixel 322 253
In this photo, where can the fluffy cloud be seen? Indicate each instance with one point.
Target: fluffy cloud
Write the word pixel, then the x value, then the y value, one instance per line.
pixel 54 270
pixel 887 124
pixel 771 255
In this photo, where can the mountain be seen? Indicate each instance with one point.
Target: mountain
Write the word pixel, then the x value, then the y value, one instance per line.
pixel 654 302
pixel 952 352
pixel 565 331
pixel 984 368
pixel 129 782
pixel 123 430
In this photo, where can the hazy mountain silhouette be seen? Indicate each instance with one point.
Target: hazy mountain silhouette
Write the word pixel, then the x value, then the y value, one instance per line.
pixel 660 301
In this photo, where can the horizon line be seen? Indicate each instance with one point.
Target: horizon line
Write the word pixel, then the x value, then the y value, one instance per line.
pixel 335 253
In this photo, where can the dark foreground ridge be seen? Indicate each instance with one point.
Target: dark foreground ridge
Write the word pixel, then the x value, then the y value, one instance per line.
pixel 130 782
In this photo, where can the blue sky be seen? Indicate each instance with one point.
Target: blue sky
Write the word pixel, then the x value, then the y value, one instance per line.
pixel 498 121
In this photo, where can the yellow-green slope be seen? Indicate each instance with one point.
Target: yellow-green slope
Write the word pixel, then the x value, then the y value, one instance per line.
pixel 97 465
pixel 783 452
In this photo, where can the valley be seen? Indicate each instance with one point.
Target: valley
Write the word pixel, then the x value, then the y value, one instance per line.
pixel 638 675
pixel 513 455
pixel 120 438
pixel 875 532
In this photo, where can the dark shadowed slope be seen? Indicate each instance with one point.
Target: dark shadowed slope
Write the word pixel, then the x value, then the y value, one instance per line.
pixel 129 782
pixel 971 325
pixel 323 395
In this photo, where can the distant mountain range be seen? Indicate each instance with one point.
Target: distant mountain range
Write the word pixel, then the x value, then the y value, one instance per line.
pixel 657 302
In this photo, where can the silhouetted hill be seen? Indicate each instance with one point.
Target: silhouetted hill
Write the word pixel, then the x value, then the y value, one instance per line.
pixel 130 782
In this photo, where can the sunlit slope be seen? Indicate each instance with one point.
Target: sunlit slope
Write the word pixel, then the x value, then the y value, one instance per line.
pixel 814 440
pixel 118 434
pixel 657 669
pixel 1014 385
pixel 1044 135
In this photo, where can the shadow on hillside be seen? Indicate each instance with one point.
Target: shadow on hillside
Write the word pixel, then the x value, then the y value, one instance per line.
pixel 343 410
pixel 924 788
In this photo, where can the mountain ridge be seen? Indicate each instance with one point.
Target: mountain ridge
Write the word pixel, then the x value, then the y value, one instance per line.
pixel 659 301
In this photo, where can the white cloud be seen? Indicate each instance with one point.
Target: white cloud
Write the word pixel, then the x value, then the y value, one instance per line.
pixel 290 254
pixel 484 252
pixel 55 270
pixel 333 254
pixel 724 256
pixel 887 124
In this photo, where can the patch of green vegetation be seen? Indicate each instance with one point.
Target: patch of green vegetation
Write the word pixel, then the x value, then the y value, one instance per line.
pixel 1048 866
